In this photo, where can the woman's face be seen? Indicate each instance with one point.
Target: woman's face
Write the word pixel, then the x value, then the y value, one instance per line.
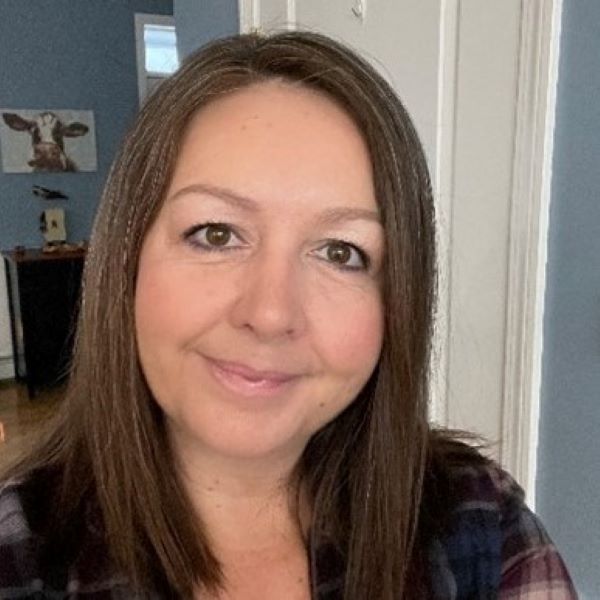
pixel 258 309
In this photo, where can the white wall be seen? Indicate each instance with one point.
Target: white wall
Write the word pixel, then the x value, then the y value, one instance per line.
pixel 416 37
pixel 482 171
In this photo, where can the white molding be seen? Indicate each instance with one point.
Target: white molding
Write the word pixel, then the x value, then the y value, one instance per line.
pixel 291 14
pixel 444 193
pixel 7 370
pixel 540 35
pixel 7 367
pixel 249 15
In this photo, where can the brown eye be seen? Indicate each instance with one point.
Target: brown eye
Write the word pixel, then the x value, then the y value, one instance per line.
pixel 339 253
pixel 213 237
pixel 344 256
pixel 218 235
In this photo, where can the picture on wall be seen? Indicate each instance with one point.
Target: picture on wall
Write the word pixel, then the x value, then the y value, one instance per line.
pixel 43 141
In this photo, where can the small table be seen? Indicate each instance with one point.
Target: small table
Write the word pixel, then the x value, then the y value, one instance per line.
pixel 43 296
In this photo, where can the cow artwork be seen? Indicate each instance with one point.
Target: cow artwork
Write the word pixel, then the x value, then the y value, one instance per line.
pixel 47 141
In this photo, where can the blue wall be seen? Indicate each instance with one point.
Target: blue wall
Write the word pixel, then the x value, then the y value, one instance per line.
pixel 569 453
pixel 199 21
pixel 70 54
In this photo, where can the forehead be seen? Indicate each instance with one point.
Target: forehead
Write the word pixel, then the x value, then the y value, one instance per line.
pixel 277 141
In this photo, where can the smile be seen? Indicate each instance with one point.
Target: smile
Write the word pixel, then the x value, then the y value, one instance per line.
pixel 246 381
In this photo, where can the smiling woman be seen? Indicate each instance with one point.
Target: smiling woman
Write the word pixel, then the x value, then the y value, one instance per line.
pixel 247 412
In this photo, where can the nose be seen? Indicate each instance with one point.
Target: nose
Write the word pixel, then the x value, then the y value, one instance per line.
pixel 270 298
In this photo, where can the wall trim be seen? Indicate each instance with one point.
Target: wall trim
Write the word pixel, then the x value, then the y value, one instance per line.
pixel 7 367
pixel 291 15
pixel 443 181
pixel 532 171
pixel 249 15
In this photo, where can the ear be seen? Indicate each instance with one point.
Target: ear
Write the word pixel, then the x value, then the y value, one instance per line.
pixel 74 130
pixel 16 122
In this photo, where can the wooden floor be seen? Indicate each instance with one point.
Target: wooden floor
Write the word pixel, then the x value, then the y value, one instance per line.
pixel 21 417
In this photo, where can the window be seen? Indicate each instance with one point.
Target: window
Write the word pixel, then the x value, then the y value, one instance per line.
pixel 156 44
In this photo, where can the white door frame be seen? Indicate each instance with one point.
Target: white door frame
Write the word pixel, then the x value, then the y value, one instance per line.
pixel 250 14
pixel 532 174
pixel 539 47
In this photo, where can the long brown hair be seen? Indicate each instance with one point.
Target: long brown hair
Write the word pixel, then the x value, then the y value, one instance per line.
pixel 364 471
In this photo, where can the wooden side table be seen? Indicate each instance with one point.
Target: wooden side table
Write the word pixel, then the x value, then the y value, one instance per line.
pixel 43 291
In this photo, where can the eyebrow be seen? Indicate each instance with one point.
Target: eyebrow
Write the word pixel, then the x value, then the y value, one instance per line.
pixel 327 216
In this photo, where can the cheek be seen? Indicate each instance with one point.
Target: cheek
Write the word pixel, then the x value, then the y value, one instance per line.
pixel 158 310
pixel 350 334
pixel 173 301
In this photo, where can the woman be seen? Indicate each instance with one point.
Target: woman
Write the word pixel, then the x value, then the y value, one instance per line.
pixel 247 412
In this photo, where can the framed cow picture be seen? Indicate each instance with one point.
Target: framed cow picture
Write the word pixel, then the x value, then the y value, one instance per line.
pixel 43 141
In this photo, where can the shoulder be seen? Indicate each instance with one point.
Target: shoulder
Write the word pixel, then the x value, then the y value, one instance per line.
pixel 461 483
pixel 18 574
pixel 481 484
pixel 39 558
pixel 490 534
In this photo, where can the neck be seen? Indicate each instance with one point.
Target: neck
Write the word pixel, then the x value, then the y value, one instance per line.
pixel 247 505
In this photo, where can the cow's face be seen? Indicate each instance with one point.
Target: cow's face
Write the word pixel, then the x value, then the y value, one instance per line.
pixel 47 138
pixel 47 130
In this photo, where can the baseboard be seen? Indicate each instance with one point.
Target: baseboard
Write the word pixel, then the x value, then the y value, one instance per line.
pixel 7 367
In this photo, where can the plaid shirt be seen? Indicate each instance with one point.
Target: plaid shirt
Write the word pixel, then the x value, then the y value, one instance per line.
pixel 494 548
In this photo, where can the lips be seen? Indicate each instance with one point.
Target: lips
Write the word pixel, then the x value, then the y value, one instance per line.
pixel 245 380
pixel 250 373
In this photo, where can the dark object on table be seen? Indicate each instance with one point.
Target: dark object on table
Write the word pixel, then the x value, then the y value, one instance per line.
pixel 43 292
pixel 48 194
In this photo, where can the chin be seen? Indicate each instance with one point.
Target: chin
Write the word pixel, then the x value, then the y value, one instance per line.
pixel 239 439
